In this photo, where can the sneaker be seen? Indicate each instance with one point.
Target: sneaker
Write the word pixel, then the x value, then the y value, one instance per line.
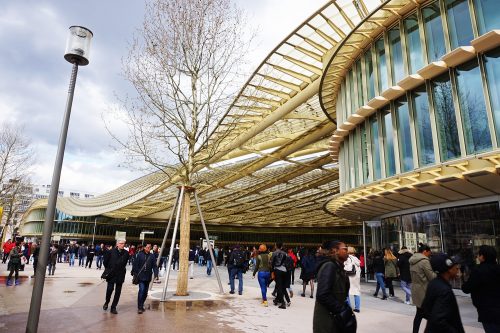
pixel 240 293
pixel 282 306
pixel 356 310
pixel 113 311
pixel 231 292
pixel 384 298
pixel 105 306
pixel 407 302
pixel 18 282
pixel 303 295
pixel 140 311
pixel 375 295
pixel 9 282
pixel 265 303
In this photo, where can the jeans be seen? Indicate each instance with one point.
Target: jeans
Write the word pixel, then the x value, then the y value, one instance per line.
pixel 143 294
pixel 263 281
pixel 232 273
pixel 164 261
pixel 200 261
pixel 357 302
pixel 81 261
pixel 52 268
pixel 14 268
pixel 209 267
pixel 406 286
pixel 491 327
pixel 109 291
pixel 98 262
pixel 72 259
pixel 380 284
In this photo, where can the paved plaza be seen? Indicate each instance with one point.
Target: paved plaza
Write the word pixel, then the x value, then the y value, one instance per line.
pixel 73 298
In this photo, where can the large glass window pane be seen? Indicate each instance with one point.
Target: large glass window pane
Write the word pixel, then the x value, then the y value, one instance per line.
pixel 446 121
pixel 352 95
pixel 364 154
pixel 375 148
pixel 465 229
pixel 404 135
pixel 423 129
pixel 434 35
pixel 487 15
pixel 390 165
pixel 391 233
pixel 359 83
pixel 492 64
pixel 422 227
pixel 459 24
pixel 413 44
pixel 355 153
pixel 473 108
pixel 383 83
pixel 370 78
pixel 397 65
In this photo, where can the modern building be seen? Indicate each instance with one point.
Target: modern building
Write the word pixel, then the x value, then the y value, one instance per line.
pixel 415 92
pixel 410 91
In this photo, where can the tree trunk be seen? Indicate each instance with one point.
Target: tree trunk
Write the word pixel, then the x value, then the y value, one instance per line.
pixel 185 227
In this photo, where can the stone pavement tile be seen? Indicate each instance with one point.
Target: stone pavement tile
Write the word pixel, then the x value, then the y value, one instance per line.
pixel 74 296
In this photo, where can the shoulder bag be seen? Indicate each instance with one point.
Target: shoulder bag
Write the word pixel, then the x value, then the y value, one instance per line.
pixel 135 276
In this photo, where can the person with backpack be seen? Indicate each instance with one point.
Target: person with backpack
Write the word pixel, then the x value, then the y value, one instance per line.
pixel 15 256
pixel 263 268
pixel 278 265
pixel 236 267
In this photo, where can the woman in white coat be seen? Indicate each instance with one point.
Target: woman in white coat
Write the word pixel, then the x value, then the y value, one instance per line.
pixel 352 266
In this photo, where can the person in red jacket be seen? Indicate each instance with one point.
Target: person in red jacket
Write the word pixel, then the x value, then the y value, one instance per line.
pixel 7 247
pixel 294 258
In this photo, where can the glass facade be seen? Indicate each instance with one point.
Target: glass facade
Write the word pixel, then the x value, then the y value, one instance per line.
pixel 452 116
pixel 458 231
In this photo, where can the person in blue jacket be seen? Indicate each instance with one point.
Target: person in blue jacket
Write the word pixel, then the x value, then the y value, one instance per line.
pixel 144 266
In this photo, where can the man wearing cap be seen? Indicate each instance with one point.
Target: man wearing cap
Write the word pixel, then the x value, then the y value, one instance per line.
pixel 333 287
pixel 115 263
pixel 440 305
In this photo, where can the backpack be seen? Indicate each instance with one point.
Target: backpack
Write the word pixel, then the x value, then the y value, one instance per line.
pixel 288 263
pixel 238 259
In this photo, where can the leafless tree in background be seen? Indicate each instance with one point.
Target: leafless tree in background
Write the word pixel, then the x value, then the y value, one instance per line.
pixel 16 157
pixel 184 65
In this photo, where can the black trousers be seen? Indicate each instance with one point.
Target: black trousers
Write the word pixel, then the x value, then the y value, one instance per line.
pixel 118 292
pixel 280 285
pixel 417 320
pixel 90 259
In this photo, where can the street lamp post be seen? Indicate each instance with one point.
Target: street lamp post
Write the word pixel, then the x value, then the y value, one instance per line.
pixel 77 53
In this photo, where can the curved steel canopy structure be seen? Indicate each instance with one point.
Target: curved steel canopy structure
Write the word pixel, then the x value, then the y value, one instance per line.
pixel 273 167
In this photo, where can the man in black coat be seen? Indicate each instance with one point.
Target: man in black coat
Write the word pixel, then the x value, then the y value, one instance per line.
pixel 115 263
pixel 483 285
pixel 440 305
pixel 144 266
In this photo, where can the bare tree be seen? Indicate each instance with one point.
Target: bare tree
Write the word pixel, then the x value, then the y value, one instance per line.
pixel 16 156
pixel 184 65
pixel 15 201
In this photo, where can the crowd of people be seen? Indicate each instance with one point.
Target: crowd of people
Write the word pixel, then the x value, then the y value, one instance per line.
pixel 334 268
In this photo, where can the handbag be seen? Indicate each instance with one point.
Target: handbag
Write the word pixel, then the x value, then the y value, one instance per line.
pixel 135 276
pixel 346 320
pixel 107 273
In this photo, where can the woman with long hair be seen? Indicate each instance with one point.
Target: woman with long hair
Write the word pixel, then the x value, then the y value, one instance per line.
pixel 391 269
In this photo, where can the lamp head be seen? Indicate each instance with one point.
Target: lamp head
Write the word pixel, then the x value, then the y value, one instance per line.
pixel 78 45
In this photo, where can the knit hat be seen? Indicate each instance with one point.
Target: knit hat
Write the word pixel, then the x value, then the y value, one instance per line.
pixel 442 262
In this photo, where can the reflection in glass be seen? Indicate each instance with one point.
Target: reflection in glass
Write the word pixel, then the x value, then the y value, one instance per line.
pixel 370 79
pixel 420 104
pixel 397 66
pixel 392 237
pixel 487 15
pixel 383 83
pixel 413 44
pixel 459 24
pixel 364 154
pixel 446 121
pixel 473 108
pixel 434 35
pixel 352 96
pixel 422 227
pixel 465 228
pixel 492 65
pixel 375 148
pixel 404 135
pixel 390 165
pixel 355 153
pixel 359 83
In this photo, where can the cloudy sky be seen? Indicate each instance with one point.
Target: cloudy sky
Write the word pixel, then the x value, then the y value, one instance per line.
pixel 34 77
